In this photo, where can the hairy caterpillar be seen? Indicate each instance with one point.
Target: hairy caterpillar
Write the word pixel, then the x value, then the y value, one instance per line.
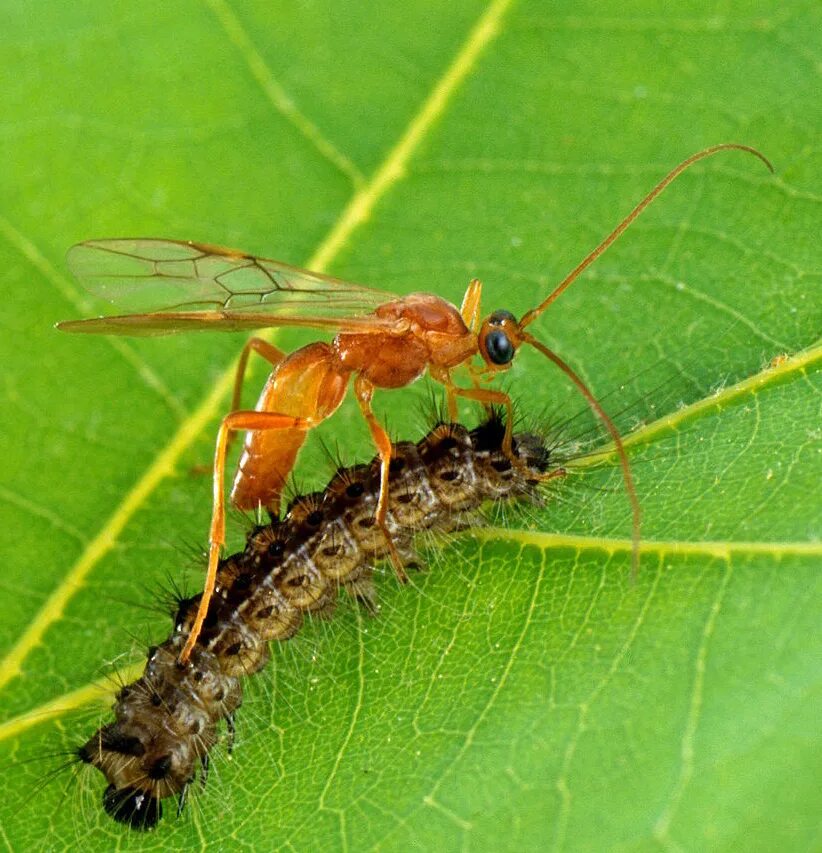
pixel 167 721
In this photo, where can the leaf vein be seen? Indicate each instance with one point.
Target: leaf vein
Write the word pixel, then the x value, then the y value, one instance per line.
pixel 54 519
pixel 662 826
pixel 584 707
pixel 356 212
pixel 795 365
pixel 720 549
pixel 469 736
pixel 277 95
pixel 39 261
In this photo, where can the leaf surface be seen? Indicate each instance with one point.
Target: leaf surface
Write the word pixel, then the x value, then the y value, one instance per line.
pixel 524 692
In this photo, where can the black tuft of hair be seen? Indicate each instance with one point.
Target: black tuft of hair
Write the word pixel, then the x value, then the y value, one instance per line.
pixel 110 739
pixel 488 435
pixel 133 807
pixel 184 606
pixel 169 593
pixel 434 410
pixel 160 769
pixel 113 739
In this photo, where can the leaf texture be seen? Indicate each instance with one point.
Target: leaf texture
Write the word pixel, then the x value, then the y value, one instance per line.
pixel 524 693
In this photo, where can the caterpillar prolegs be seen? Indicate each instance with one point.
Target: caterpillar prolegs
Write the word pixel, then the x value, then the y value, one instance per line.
pixel 166 723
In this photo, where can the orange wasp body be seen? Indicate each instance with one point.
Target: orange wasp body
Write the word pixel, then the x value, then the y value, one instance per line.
pixel 310 384
pixel 381 342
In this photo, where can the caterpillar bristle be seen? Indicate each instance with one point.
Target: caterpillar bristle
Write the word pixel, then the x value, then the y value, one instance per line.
pixel 434 410
pixel 292 569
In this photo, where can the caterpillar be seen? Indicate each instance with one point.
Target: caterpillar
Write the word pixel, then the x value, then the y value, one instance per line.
pixel 167 722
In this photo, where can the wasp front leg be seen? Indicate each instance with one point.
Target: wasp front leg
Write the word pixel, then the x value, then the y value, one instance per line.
pixel 477 375
pixel 499 398
pixel 470 308
pixel 488 397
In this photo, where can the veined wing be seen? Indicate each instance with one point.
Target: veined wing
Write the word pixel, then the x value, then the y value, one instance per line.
pixel 167 286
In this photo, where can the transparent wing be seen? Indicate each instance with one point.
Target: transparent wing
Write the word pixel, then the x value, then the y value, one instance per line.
pixel 166 286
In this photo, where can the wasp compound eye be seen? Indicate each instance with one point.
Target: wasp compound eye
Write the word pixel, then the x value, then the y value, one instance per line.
pixel 499 347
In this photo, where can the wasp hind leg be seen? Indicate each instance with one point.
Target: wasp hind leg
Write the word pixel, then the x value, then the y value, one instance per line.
pixel 233 422
pixel 272 355
pixel 269 352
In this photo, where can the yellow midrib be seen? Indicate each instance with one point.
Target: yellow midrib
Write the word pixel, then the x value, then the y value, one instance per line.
pixel 720 549
pixel 355 213
pixel 786 368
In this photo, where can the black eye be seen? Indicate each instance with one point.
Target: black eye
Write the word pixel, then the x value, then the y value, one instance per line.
pixel 499 347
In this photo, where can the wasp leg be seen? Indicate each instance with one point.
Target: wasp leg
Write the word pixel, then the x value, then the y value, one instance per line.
pixel 470 313
pixel 488 397
pixel 470 308
pixel 365 391
pixel 232 422
pixel 272 355
pixel 269 352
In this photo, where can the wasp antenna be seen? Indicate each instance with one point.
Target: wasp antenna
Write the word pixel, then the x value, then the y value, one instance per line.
pixel 622 227
pixel 619 446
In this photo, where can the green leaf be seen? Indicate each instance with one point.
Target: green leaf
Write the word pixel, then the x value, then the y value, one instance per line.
pixel 525 693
